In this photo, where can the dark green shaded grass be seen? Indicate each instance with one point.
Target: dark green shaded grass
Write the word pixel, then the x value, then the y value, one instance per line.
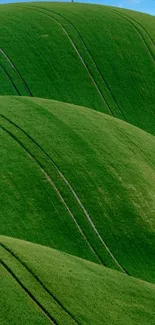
pixel 12 77
pixel 108 163
pixel 6 86
pixel 106 294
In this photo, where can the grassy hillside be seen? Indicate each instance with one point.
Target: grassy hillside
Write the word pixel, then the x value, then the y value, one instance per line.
pixel 77 165
pixel 93 56
pixel 79 181
pixel 46 283
pixel 141 22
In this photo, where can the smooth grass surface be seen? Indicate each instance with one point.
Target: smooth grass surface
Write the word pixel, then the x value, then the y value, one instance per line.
pixel 115 50
pixel 47 273
pixel 80 165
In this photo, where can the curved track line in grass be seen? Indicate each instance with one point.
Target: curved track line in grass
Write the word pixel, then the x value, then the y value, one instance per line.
pixel 78 54
pixel 141 26
pixel 70 213
pixel 90 57
pixel 11 80
pixel 130 21
pixel 28 269
pixel 27 291
pixel 75 196
pixel 56 190
pixel 17 72
pixel 92 223
pixel 105 83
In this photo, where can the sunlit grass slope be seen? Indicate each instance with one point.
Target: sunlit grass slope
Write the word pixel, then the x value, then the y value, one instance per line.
pixel 40 285
pixel 79 181
pixel 95 56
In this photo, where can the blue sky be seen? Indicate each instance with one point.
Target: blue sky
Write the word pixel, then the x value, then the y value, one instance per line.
pixel 139 5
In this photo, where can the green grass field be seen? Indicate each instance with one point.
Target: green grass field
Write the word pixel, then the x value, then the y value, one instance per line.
pixel 77 165
pixel 63 288
pixel 94 56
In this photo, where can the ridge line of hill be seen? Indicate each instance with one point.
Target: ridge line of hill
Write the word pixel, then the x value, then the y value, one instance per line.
pixel 108 297
pixel 137 148
pixel 24 264
pixel 15 255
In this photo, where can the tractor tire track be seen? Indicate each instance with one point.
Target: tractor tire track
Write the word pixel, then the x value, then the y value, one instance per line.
pixel 77 200
pixel 138 32
pixel 78 54
pixel 40 282
pixel 17 72
pixel 27 291
pixel 141 26
pixel 56 190
pixel 92 60
pixel 11 80
pixel 70 213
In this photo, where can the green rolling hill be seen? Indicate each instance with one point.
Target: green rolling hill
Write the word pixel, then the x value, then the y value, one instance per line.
pixel 87 55
pixel 81 190
pixel 77 165
pixel 46 286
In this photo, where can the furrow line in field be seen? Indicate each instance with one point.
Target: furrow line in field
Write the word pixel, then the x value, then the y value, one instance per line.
pixel 91 222
pixel 11 80
pixel 37 278
pixel 142 153
pixel 79 203
pixel 27 291
pixel 78 54
pixel 105 83
pixel 71 214
pixel 55 188
pixel 138 31
pixel 91 58
pixel 17 72
pixel 141 26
